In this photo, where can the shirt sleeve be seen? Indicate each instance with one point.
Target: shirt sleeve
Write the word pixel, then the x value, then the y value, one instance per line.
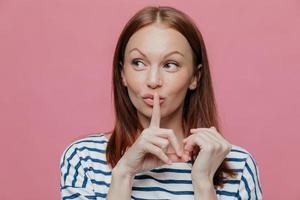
pixel 250 187
pixel 75 182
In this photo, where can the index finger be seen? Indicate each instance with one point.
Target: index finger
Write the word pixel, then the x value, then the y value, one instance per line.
pixel 155 118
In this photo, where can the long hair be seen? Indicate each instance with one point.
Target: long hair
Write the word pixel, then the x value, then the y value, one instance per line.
pixel 199 105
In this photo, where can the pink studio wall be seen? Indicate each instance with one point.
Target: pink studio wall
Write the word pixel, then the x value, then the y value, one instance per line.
pixel 55 68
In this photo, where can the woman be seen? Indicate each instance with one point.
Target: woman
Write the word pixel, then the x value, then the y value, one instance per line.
pixel 166 142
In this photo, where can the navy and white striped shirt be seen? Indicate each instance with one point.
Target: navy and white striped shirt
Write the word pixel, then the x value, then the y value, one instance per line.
pixel 85 174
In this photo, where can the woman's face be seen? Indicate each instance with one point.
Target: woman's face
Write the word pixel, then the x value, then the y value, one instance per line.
pixel 158 59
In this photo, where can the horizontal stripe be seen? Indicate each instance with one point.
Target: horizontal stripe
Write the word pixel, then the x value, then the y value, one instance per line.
pixel 91 197
pixel 97 171
pixel 239 151
pixel 231 181
pixel 83 159
pixel 83 141
pixel 155 189
pixel 91 149
pixel 73 196
pixel 100 183
pixel 102 195
pixel 167 181
pixel 94 160
pixel 80 165
pixel 162 170
pixel 236 159
pixel 225 193
pixel 237 170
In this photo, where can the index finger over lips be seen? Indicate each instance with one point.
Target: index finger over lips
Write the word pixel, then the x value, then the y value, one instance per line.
pixel 155 118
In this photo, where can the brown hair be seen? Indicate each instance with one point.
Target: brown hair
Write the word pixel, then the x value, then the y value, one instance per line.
pixel 199 104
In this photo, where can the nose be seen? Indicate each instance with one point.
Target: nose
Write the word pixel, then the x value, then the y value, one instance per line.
pixel 154 78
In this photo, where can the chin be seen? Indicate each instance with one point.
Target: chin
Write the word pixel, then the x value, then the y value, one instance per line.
pixel 146 111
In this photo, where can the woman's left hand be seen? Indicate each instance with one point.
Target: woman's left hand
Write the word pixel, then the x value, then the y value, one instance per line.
pixel 213 150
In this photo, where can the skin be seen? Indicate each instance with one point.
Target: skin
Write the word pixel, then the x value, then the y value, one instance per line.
pixel 162 142
pixel 154 73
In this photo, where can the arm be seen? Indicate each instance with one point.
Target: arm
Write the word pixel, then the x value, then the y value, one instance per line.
pixel 204 190
pixel 121 185
pixel 75 183
pixel 213 150
pixel 250 187
pixel 152 141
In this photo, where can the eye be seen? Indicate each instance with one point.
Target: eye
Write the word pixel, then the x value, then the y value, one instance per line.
pixel 138 64
pixel 172 66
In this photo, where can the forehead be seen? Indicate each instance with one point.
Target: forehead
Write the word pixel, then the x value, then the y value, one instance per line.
pixel 158 39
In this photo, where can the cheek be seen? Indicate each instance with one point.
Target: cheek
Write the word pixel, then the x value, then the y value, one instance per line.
pixel 176 89
pixel 177 85
pixel 134 87
pixel 134 82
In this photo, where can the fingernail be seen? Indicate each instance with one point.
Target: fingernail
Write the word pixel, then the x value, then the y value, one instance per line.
pixel 180 153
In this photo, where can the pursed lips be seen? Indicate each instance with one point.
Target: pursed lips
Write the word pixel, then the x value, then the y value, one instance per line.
pixel 148 98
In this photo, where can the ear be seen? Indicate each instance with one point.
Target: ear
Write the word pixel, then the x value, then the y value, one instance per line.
pixel 195 79
pixel 122 74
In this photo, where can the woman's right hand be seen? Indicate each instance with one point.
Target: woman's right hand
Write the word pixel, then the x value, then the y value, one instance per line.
pixel 149 149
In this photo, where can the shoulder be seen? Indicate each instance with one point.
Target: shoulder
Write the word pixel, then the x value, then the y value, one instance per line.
pixel 244 163
pixel 246 185
pixel 240 157
pixel 238 153
pixel 84 147
pixel 77 162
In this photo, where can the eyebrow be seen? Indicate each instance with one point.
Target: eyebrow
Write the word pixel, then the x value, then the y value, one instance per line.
pixel 168 54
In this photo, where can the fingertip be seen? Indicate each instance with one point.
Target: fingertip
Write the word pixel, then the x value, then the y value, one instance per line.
pixel 180 153
pixel 185 148
pixel 193 130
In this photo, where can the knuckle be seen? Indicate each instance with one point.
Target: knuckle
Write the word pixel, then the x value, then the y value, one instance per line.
pixel 229 147
pixel 218 147
pixel 209 148
pixel 226 148
pixel 170 133
pixel 144 138
pixel 144 132
pixel 165 143
pixel 159 152
pixel 156 151
pixel 201 133
pixel 145 148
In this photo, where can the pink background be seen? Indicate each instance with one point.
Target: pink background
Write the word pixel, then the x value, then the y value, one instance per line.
pixel 55 68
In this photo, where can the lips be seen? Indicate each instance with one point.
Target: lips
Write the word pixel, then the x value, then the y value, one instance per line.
pixel 148 99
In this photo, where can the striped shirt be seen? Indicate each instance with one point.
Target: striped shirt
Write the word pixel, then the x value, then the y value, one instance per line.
pixel 85 174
